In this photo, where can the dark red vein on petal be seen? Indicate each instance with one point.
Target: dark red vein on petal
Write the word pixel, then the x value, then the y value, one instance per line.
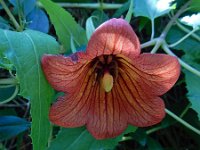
pixel 139 93
pixel 125 88
pixel 145 111
pixel 126 62
pixel 79 90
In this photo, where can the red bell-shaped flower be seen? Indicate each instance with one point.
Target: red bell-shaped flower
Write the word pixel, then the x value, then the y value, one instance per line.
pixel 111 84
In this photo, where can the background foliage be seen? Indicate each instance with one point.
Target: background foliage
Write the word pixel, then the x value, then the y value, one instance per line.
pixel 31 28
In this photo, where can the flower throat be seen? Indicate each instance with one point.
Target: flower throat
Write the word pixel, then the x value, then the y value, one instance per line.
pixel 106 71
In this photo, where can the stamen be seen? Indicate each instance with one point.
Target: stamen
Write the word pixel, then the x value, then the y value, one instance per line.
pixel 116 70
pixel 107 81
pixel 109 59
pixel 101 59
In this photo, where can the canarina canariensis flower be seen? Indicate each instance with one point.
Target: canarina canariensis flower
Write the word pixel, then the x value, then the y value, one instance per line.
pixel 111 84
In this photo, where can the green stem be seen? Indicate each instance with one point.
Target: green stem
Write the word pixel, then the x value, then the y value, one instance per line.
pixel 183 38
pixel 149 43
pixel 153 129
pixel 160 40
pixel 185 110
pixel 152 29
pixel 12 18
pixel 90 5
pixel 101 5
pixel 50 136
pixel 157 46
pixel 187 125
pixel 183 64
pixel 187 31
pixel 12 81
pixel 7 86
pixel 130 12
pixel 12 97
pixel 173 19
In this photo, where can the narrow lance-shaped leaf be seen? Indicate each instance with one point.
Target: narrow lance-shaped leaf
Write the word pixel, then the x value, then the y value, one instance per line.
pixel 89 27
pixel 65 25
pixel 25 50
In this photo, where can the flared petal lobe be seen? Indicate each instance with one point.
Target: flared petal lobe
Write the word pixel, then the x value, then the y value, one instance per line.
pixel 114 37
pixel 141 81
pixel 153 73
pixel 65 73
pixel 72 109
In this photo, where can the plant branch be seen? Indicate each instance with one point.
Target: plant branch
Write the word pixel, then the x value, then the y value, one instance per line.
pixel 7 86
pixel 91 5
pixel 159 42
pixel 8 81
pixel 152 29
pixel 183 64
pixel 183 38
pixel 183 122
pixel 130 12
pixel 149 43
pixel 12 96
pixel 187 31
pixel 173 19
pixel 12 18
pixel 185 110
pixel 154 129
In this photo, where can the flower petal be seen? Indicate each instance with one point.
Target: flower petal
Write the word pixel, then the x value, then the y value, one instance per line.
pixel 114 37
pixel 153 73
pixel 142 108
pixel 65 73
pixel 72 109
pixel 91 105
pixel 107 118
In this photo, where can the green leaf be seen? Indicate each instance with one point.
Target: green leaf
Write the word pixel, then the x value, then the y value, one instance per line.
pixel 10 126
pixel 191 48
pixel 140 136
pixel 89 27
pixel 152 8
pixel 73 47
pixel 80 138
pixel 5 63
pixel 195 5
pixel 25 49
pixel 4 23
pixel 142 23
pixel 153 144
pixel 99 17
pixel 193 86
pixel 130 12
pixel 8 112
pixel 119 12
pixel 65 25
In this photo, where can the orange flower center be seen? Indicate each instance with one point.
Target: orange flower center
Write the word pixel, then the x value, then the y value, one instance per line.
pixel 106 71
